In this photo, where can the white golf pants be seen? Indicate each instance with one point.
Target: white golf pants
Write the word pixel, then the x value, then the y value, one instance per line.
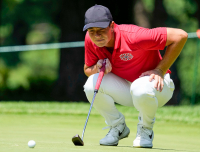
pixel 141 94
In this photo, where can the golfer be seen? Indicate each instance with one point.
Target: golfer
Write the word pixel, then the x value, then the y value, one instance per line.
pixel 135 73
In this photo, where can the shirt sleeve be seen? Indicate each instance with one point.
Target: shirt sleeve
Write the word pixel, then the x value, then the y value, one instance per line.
pixel 151 39
pixel 90 57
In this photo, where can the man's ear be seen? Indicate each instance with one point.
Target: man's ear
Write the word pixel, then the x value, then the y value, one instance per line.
pixel 112 25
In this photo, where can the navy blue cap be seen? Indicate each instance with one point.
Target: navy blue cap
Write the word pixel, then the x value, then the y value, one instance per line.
pixel 97 16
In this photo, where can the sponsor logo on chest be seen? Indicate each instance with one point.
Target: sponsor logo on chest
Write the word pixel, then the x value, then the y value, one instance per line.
pixel 126 56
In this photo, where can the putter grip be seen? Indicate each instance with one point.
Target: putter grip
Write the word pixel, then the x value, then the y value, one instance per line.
pixel 101 73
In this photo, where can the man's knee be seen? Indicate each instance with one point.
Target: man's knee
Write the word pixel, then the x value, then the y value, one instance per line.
pixel 90 85
pixel 142 91
pixel 105 83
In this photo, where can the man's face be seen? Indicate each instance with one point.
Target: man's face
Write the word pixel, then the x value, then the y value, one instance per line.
pixel 100 36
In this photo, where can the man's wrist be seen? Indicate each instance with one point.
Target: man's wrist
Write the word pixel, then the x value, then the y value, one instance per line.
pixel 159 69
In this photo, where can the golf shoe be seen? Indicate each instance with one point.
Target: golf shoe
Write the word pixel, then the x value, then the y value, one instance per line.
pixel 144 137
pixel 115 133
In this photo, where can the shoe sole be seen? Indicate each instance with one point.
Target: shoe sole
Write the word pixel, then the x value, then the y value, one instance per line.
pixel 143 146
pixel 115 144
pixel 109 145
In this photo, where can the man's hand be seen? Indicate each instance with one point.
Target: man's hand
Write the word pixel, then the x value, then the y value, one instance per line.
pixel 108 66
pixel 157 75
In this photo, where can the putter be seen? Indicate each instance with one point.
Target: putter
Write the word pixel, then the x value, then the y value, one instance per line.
pixel 76 139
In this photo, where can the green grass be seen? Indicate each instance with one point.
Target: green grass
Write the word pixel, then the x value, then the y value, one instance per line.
pixel 52 125
pixel 184 114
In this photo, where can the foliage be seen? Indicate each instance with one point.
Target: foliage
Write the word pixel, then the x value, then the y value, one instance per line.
pixel 182 12
pixel 36 73
pixel 187 69
pixel 37 21
pixel 149 5
pixel 28 75
pixel 25 13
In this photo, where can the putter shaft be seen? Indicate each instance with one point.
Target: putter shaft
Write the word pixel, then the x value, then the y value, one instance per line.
pixel 76 139
pixel 88 114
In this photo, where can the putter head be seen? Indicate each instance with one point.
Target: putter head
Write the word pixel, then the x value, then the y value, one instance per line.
pixel 77 141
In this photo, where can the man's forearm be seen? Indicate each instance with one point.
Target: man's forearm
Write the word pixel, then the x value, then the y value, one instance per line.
pixel 90 70
pixel 172 52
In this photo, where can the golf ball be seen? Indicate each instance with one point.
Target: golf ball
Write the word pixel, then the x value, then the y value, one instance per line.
pixel 31 144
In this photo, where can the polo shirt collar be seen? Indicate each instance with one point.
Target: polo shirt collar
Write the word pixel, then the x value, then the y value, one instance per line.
pixel 117 37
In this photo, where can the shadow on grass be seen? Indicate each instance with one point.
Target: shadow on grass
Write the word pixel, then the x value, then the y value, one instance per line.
pixel 172 149
pixel 156 148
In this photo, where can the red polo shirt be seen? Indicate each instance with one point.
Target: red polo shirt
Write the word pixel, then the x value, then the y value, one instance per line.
pixel 136 50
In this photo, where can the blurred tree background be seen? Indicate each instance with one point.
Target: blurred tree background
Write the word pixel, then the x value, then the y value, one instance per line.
pixel 57 74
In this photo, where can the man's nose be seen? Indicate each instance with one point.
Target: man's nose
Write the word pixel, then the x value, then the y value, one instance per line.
pixel 97 34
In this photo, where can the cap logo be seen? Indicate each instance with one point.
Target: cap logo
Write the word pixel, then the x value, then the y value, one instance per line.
pixel 126 56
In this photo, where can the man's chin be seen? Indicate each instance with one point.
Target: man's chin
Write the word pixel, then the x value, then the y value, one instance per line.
pixel 100 45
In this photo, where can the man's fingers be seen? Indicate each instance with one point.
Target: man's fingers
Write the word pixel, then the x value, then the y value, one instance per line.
pixel 162 85
pixel 151 77
pixel 99 65
pixel 144 74
pixel 141 75
pixel 108 66
pixel 158 85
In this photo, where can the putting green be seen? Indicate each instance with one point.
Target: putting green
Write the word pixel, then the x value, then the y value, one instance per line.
pixel 53 133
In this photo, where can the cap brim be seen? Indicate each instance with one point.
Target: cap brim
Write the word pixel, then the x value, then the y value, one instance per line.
pixel 96 24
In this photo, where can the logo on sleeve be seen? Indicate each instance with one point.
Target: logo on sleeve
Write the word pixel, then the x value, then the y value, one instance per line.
pixel 126 56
